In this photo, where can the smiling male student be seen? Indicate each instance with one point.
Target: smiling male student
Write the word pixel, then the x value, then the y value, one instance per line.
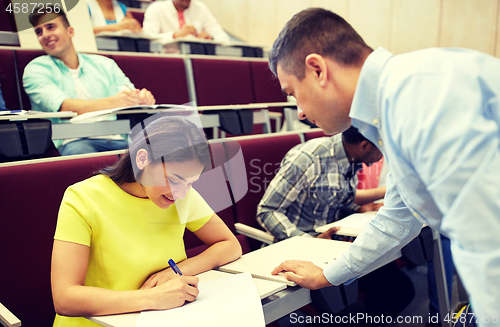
pixel 66 80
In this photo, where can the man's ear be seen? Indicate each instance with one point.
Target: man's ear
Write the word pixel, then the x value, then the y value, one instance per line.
pixel 141 159
pixel 365 146
pixel 71 31
pixel 316 64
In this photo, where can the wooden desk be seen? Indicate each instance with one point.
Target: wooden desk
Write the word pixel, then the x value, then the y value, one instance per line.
pixel 265 288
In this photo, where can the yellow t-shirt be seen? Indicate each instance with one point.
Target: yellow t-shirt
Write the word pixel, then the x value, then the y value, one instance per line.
pixel 129 238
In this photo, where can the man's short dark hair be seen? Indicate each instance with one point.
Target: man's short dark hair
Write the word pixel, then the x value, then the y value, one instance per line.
pixel 320 31
pixel 37 17
pixel 352 135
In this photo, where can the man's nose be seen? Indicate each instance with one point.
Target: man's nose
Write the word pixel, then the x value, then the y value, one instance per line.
pixel 301 113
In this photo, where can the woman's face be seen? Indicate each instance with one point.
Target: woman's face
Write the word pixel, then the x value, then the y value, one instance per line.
pixel 166 183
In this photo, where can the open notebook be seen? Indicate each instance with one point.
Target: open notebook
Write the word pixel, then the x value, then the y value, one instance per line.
pixel 224 302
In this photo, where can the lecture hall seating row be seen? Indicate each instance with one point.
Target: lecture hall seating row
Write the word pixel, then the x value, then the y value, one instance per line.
pixel 173 79
pixel 32 191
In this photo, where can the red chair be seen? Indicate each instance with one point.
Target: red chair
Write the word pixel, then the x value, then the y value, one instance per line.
pixel 222 82
pixel 262 156
pixel 314 133
pixel 32 193
pixel 164 77
pixel 137 14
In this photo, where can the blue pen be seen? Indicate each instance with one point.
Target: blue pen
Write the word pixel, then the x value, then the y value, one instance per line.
pixel 174 267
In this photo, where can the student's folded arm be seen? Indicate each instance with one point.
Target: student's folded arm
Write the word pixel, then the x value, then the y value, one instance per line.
pixel 121 99
pixel 223 248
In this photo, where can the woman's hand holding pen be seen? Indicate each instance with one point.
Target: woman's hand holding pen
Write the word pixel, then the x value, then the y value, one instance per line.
pixel 158 278
pixel 173 293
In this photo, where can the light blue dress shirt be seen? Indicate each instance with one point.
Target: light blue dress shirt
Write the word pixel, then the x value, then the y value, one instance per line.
pixel 434 114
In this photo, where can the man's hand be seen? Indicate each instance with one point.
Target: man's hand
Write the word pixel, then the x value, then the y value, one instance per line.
pixel 370 207
pixel 125 98
pixel 185 31
pixel 146 97
pixel 328 234
pixel 304 273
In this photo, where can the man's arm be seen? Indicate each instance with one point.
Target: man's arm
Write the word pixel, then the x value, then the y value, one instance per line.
pixel 122 99
pixel 369 195
pixel 392 228
pixel 127 96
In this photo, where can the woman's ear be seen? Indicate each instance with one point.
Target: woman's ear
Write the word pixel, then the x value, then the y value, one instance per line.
pixel 141 159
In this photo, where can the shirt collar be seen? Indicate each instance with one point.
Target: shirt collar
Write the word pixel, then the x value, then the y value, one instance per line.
pixel 365 111
pixel 62 66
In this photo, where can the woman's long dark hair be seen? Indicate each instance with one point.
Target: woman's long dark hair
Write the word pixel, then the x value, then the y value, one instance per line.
pixel 166 139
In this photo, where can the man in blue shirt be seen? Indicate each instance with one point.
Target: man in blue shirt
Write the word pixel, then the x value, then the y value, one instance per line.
pixel 434 114
pixel 66 80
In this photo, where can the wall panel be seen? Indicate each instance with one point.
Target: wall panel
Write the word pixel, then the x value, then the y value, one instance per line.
pixel 470 24
pixel 262 21
pixel 372 20
pixel 231 14
pixel 415 25
pixel 340 7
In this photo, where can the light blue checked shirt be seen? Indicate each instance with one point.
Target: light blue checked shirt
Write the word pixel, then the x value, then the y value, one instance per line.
pixel 434 114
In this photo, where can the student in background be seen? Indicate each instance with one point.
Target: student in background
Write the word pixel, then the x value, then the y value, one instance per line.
pixel 434 115
pixel 117 230
pixel 317 185
pixel 181 18
pixel 111 15
pixel 65 80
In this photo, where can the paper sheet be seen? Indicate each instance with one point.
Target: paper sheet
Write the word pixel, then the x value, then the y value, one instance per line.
pixel 355 221
pixel 224 302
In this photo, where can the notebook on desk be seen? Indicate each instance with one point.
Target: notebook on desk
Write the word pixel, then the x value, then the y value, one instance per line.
pixel 261 262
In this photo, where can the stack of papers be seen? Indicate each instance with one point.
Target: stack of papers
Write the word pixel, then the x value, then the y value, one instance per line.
pixel 224 302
